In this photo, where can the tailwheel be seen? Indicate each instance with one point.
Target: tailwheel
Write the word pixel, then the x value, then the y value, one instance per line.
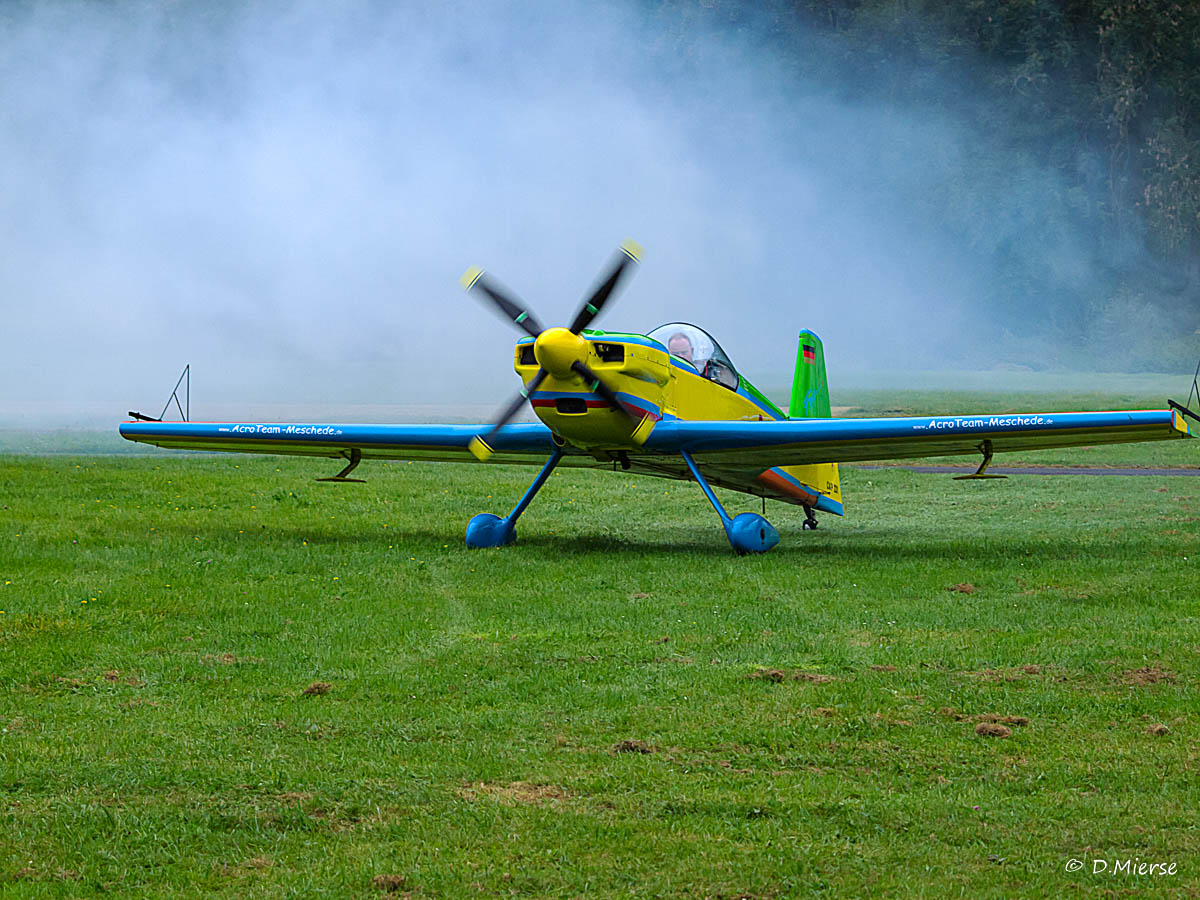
pixel 810 522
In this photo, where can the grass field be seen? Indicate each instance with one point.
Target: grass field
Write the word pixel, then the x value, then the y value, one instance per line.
pixel 218 677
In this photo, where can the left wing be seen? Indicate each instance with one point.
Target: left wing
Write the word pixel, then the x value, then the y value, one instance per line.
pixel 765 458
pixel 804 441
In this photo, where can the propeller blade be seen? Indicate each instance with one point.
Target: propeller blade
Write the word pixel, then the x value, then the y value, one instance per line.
pixel 599 387
pixel 479 444
pixel 630 252
pixel 475 279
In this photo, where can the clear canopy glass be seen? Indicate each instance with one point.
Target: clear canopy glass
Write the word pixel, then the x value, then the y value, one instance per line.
pixel 696 346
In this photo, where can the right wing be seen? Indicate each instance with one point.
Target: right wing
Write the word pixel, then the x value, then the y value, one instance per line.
pixel 805 441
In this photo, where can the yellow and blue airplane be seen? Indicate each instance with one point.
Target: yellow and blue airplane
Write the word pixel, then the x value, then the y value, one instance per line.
pixel 668 403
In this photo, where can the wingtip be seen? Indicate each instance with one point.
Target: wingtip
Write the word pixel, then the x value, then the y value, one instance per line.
pixel 469 277
pixel 632 249
pixel 480 450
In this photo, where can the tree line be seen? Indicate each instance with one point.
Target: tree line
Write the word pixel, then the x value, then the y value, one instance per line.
pixel 1082 117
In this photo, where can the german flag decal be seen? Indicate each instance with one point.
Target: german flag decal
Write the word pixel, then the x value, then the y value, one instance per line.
pixel 810 354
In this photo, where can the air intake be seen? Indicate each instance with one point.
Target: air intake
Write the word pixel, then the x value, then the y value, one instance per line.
pixel 570 406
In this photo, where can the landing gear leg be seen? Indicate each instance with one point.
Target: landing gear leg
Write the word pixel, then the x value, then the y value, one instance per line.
pixel 986 449
pixel 488 530
pixel 810 522
pixel 747 532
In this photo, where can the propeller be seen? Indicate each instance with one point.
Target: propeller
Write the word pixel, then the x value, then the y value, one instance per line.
pixel 629 252
pixel 475 278
pixel 559 351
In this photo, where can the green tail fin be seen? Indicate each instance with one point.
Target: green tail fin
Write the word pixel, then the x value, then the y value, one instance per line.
pixel 810 389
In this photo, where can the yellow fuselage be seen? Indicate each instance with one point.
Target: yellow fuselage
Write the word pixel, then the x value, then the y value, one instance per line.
pixel 653 385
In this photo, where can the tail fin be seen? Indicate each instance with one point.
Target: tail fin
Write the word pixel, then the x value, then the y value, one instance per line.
pixel 810 389
pixel 810 400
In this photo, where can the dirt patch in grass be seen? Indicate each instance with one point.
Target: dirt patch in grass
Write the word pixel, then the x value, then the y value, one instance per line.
pixel 1014 674
pixel 633 747
pixel 1148 675
pixel 249 866
pixel 518 793
pixel 343 821
pixel 317 688
pixel 777 676
pixel 883 668
pixel 964 588
pixel 393 884
pixel 992 729
pixel 1158 729
pixel 293 797
pixel 983 718
pixel 114 675
pixel 1005 720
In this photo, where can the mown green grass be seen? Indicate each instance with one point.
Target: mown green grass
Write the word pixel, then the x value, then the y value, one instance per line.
pixel 164 614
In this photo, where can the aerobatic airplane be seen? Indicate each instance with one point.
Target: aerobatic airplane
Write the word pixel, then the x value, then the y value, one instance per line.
pixel 668 403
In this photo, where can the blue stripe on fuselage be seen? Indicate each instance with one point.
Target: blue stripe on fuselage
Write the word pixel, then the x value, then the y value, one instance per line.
pixel 640 403
pixel 823 502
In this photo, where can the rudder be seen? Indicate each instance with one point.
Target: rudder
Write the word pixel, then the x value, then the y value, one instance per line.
pixel 810 400
pixel 810 389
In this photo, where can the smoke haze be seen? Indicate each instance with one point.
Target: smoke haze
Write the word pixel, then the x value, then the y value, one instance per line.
pixel 284 195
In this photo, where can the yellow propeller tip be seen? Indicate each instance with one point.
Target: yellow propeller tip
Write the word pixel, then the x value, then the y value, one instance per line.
pixel 470 277
pixel 632 249
pixel 481 451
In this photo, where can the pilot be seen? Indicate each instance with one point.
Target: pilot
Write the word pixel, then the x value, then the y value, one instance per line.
pixel 680 345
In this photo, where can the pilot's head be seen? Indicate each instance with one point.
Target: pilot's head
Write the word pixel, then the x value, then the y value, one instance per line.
pixel 680 345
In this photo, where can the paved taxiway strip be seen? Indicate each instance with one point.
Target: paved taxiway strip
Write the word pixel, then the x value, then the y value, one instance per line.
pixel 1035 470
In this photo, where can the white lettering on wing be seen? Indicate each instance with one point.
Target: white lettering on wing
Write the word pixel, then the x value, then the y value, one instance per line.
pixel 987 423
pixel 301 430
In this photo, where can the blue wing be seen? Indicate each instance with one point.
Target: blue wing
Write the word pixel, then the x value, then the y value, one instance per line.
pixel 733 454
pixel 742 456
pixel 521 443
pixel 804 441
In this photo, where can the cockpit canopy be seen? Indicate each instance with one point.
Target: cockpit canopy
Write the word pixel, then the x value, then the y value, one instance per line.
pixel 696 346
